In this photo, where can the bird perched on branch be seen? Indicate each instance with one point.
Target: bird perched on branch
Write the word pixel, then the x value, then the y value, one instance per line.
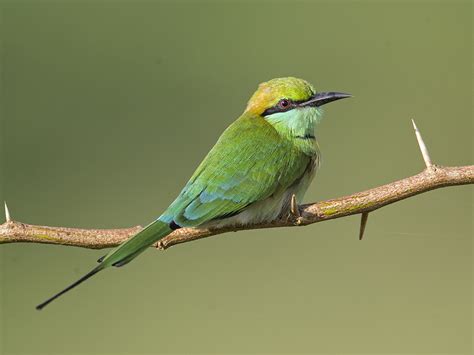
pixel 263 159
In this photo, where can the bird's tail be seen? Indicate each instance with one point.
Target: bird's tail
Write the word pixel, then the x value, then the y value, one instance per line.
pixel 121 255
pixel 70 287
pixel 130 249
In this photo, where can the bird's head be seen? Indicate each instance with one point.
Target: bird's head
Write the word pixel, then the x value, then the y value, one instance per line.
pixel 291 105
pixel 286 94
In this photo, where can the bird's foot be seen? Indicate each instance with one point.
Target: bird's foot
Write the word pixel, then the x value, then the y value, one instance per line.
pixel 295 215
pixel 160 245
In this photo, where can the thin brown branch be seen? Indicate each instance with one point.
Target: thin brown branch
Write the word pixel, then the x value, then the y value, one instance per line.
pixel 431 178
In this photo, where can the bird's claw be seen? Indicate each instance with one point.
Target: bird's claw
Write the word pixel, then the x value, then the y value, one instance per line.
pixel 159 245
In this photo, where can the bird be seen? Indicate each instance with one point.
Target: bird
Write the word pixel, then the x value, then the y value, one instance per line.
pixel 264 159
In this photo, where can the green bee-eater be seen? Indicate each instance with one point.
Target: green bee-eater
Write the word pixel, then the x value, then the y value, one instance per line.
pixel 261 160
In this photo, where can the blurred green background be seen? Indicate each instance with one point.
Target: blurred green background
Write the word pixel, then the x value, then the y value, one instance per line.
pixel 109 106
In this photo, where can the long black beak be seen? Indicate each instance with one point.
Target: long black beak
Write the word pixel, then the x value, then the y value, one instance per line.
pixel 323 98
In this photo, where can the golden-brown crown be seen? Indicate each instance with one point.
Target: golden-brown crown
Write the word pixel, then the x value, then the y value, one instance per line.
pixel 269 93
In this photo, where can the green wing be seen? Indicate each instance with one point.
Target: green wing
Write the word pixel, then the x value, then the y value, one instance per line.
pixel 249 163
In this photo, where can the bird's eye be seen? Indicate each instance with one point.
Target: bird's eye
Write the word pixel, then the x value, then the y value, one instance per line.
pixel 284 104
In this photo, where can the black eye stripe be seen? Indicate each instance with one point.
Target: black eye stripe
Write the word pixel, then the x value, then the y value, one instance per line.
pixel 277 108
pixel 272 110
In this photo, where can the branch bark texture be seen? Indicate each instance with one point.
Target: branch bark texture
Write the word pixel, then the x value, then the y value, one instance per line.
pixel 433 177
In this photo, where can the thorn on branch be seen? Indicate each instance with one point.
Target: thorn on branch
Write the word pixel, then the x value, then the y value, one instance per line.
pixel 422 145
pixel 363 223
pixel 7 213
